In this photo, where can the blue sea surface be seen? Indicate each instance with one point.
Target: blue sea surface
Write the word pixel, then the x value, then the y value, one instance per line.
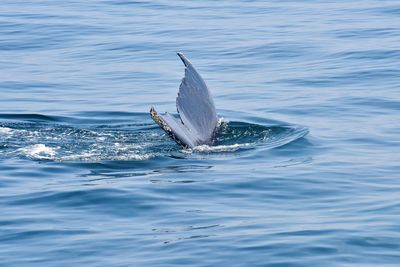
pixel 305 170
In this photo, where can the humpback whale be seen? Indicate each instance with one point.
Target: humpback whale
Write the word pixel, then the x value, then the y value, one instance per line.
pixel 197 123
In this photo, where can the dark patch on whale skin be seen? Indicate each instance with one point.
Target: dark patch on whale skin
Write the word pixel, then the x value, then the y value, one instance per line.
pixel 196 109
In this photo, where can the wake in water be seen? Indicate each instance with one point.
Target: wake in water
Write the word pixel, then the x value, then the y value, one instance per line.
pixel 60 139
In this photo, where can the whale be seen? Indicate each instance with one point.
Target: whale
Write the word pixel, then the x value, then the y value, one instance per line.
pixel 196 122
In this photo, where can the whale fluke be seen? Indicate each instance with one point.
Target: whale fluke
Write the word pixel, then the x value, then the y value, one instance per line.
pixel 196 109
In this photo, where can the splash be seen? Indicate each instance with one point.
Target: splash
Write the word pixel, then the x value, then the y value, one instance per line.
pixel 38 151
pixel 5 130
pixel 61 139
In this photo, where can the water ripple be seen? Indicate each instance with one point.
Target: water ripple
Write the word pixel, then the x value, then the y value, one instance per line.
pixel 88 179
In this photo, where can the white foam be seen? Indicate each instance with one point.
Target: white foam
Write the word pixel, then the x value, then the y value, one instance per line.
pixel 134 157
pixel 220 148
pixel 84 156
pixel 96 157
pixel 38 151
pixel 5 130
pixel 127 147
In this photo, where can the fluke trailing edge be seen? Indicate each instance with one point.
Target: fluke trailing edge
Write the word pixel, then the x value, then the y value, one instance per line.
pixel 198 118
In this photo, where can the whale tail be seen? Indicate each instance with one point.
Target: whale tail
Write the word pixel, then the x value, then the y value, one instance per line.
pixel 196 109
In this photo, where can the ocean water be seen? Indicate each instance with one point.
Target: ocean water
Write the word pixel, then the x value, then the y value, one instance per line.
pixel 305 171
